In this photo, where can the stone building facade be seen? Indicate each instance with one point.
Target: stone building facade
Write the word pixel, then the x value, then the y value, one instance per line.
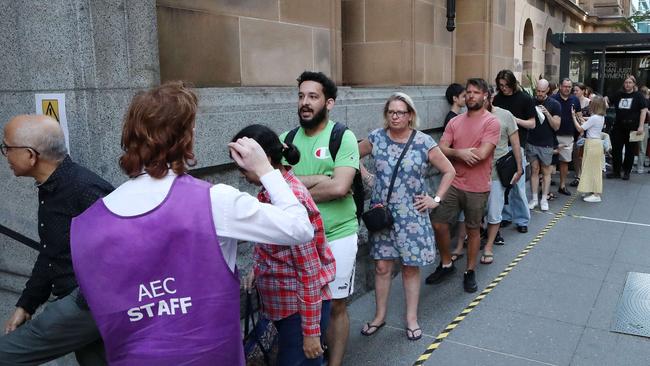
pixel 244 57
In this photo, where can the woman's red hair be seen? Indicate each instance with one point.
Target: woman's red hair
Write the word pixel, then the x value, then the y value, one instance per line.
pixel 158 131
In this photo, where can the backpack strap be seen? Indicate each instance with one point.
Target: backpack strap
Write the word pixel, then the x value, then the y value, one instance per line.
pixel 288 139
pixel 336 137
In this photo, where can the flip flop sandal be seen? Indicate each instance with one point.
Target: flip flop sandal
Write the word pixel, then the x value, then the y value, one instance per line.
pixel 551 197
pixel 487 258
pixel 456 256
pixel 371 329
pixel 410 334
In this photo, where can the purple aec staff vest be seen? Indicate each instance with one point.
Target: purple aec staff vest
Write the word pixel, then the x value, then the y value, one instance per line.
pixel 157 284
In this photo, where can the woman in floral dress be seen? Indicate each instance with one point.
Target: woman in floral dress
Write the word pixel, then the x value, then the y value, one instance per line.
pixel 410 240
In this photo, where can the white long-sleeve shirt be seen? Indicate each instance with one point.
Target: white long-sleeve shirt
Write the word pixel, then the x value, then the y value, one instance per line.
pixel 236 215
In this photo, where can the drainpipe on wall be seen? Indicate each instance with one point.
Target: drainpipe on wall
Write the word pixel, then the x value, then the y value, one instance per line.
pixel 451 15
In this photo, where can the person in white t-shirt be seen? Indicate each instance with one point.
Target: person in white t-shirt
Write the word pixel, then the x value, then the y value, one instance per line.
pixel 591 179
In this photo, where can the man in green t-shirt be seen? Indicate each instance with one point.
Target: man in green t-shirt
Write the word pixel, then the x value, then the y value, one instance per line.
pixel 329 183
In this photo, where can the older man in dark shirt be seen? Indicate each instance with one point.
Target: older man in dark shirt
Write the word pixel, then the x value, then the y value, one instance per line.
pixel 35 147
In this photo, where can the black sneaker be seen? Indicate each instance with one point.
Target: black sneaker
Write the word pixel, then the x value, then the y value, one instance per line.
pixel 613 175
pixel 440 274
pixel 499 239
pixel 505 223
pixel 626 176
pixel 469 281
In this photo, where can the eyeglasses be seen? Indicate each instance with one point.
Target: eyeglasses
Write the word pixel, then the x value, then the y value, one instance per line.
pixel 4 148
pixel 399 114
pixel 503 85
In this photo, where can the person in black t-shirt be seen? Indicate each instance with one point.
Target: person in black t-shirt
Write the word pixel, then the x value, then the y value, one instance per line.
pixel 455 95
pixel 631 110
pixel 521 105
pixel 541 140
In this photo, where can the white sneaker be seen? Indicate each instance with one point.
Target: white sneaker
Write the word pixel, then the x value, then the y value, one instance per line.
pixel 543 205
pixel 532 204
pixel 592 198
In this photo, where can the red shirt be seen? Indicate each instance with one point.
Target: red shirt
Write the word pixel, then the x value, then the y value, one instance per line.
pixel 294 279
pixel 464 132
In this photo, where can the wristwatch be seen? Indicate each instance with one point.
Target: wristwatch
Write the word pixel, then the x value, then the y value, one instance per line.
pixel 437 199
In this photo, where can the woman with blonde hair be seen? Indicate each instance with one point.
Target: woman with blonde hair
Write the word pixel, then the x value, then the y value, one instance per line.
pixel 410 239
pixel 591 180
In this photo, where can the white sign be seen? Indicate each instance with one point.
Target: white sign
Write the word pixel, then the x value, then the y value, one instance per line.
pixel 53 105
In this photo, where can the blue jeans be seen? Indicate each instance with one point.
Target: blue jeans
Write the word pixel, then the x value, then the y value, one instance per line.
pixel 290 351
pixel 517 208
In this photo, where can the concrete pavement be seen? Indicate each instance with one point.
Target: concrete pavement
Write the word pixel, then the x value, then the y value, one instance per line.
pixel 554 307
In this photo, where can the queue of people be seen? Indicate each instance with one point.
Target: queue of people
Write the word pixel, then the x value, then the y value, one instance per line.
pixel 135 271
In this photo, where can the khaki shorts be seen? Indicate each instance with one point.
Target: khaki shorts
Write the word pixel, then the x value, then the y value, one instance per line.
pixel 471 203
pixel 565 151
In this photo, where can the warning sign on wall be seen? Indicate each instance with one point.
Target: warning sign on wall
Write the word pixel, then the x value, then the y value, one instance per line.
pixel 53 105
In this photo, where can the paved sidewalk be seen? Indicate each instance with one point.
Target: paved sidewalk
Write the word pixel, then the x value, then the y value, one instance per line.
pixel 554 308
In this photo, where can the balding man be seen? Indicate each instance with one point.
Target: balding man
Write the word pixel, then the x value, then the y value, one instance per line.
pixel 541 140
pixel 35 147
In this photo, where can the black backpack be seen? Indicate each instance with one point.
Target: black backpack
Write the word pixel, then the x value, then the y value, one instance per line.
pixel 335 143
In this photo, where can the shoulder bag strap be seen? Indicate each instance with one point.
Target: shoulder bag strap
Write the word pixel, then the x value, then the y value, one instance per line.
pixel 392 179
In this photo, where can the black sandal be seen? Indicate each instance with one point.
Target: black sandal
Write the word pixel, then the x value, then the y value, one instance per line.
pixel 410 334
pixel 371 329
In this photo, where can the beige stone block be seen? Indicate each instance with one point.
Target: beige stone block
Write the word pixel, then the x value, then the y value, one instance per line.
pixel 442 37
pixel 388 20
pixel 470 67
pixel 198 47
pixel 381 63
pixel 265 9
pixel 319 13
pixel 420 64
pixel 353 20
pixel 337 14
pixel 424 22
pixel 471 38
pixel 274 53
pixel 337 60
pixel 322 50
pixel 471 11
pixel 439 69
pixel 508 38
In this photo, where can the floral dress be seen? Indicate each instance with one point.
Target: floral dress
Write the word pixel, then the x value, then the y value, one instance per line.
pixel 411 238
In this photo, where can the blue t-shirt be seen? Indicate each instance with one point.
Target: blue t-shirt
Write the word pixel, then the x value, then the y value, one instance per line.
pixel 566 126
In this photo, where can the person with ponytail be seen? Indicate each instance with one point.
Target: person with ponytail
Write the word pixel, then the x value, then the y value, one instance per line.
pixel 292 280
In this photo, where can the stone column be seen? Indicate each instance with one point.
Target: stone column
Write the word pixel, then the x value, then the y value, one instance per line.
pixel 99 53
pixel 484 39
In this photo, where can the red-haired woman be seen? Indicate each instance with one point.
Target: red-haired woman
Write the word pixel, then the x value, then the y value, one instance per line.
pixel 156 258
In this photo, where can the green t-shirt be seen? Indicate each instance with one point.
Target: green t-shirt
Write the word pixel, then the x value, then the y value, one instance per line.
pixel 339 216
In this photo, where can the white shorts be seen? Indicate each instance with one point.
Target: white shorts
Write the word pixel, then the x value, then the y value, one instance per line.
pixel 345 255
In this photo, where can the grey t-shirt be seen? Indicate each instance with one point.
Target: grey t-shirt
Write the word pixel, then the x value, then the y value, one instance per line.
pixel 508 126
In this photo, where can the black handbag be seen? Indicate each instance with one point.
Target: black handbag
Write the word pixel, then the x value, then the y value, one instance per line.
pixel 379 217
pixel 506 167
pixel 260 340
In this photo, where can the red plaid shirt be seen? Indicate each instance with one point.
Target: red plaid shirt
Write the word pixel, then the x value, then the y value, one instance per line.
pixel 294 279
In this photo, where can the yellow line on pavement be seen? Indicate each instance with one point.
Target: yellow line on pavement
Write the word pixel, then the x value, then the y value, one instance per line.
pixel 477 300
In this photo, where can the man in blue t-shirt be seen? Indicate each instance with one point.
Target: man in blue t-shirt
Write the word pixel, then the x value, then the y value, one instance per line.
pixel 566 134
